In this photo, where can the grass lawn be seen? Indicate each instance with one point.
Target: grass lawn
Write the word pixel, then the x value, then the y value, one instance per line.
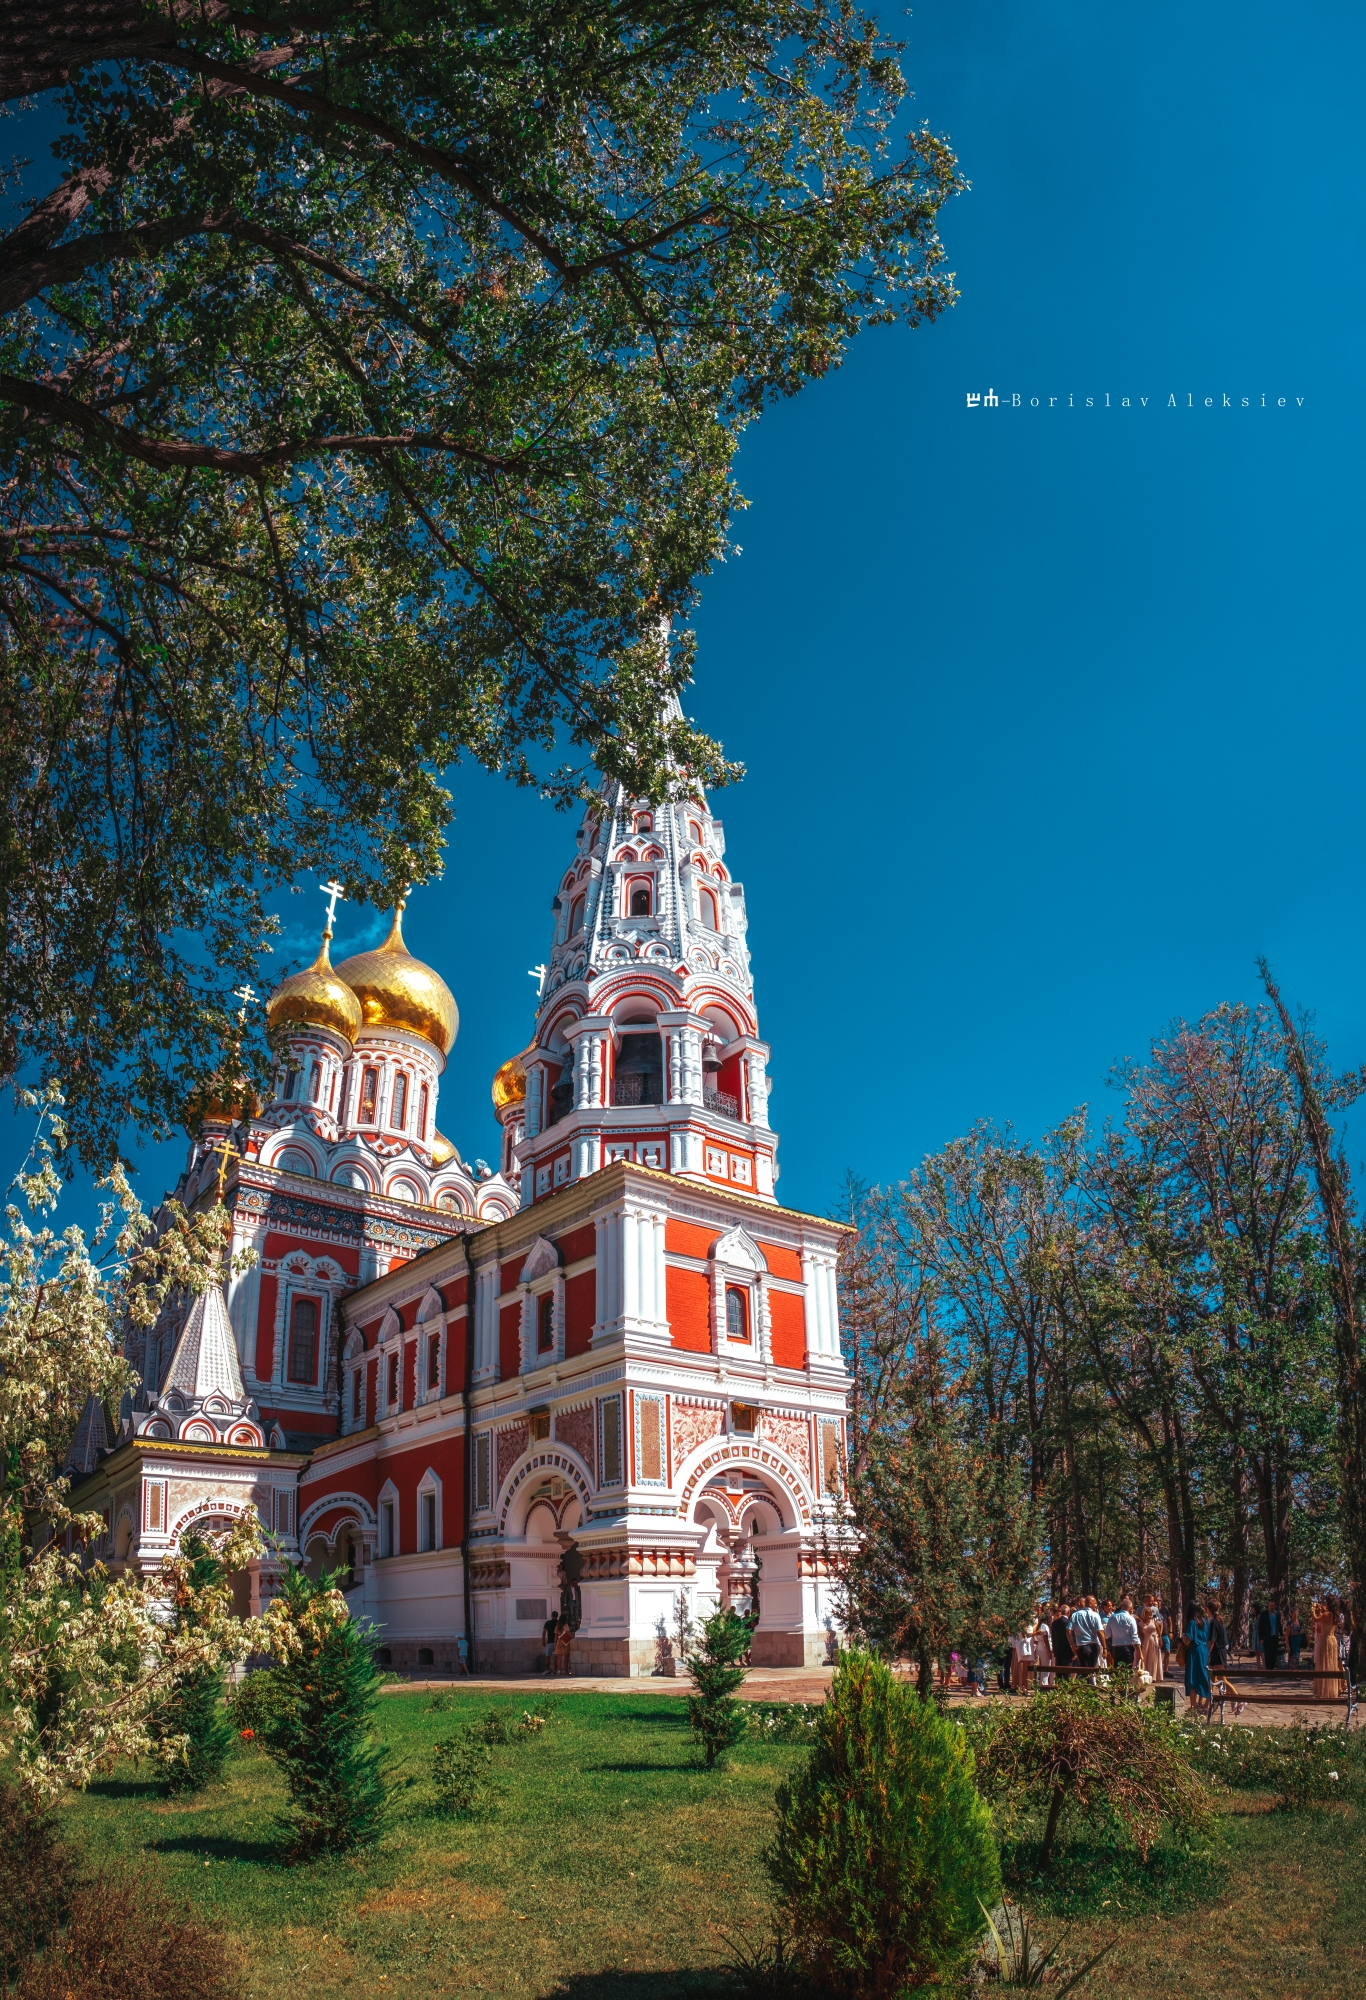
pixel 614 1865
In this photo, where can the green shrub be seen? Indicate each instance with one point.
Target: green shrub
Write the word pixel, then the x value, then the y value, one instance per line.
pixel 460 1775
pixel 883 1851
pixel 193 1728
pixel 784 1721
pixel 1079 1750
pixel 123 1939
pixel 718 1720
pixel 1305 1765
pixel 36 1880
pixel 316 1708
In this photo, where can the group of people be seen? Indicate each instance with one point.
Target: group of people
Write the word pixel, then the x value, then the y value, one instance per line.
pixel 557 1637
pixel 1087 1633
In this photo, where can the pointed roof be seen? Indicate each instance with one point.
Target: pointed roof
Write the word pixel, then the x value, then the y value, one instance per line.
pixel 205 1360
pixel 92 1438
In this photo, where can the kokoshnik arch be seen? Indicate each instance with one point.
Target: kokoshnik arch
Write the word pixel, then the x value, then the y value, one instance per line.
pixel 442 1378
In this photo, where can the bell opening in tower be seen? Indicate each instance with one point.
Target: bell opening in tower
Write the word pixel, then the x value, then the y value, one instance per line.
pixel 639 1071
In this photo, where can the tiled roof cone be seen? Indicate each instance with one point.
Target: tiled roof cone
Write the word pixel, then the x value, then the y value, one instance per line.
pixel 92 1438
pixel 205 1360
pixel 202 1399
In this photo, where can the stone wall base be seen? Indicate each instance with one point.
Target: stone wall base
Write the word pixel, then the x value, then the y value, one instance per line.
pixel 788 1649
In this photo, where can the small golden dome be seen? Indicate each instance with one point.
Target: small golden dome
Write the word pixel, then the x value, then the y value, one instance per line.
pixel 509 1083
pixel 316 998
pixel 396 990
pixel 442 1150
pixel 221 1100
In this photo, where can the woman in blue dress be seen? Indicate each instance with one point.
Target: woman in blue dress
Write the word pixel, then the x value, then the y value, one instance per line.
pixel 1198 1635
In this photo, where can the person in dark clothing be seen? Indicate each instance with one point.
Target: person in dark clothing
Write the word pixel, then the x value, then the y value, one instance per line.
pixel 1218 1637
pixel 1268 1632
pixel 1064 1653
pixel 1295 1637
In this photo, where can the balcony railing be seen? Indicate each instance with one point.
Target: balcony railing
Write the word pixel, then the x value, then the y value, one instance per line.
pixel 721 1101
pixel 639 1089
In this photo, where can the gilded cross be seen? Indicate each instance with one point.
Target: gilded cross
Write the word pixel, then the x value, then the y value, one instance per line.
pixel 229 1152
pixel 248 996
pixel 335 894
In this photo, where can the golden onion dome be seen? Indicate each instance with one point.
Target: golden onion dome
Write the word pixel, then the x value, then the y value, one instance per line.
pixel 509 1082
pixel 396 990
pixel 316 998
pixel 442 1150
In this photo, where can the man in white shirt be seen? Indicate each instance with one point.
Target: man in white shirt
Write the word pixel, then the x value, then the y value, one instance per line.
pixel 1087 1631
pixel 1121 1632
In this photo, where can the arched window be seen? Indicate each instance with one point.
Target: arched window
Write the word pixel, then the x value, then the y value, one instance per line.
pixel 737 1313
pixel 644 822
pixel 303 1340
pixel 291 1077
pixel 332 1100
pixel 694 832
pixel 393 1381
pixel 576 916
pixel 545 1322
pixel 355 1396
pixel 707 910
pixel 316 1088
pixel 369 1090
pixel 640 899
pixel 434 1361
pixel 400 1112
pixel 423 1101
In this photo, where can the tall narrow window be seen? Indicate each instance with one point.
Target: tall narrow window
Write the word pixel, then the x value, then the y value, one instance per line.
pixel 429 1520
pixel 316 1087
pixel 388 1540
pixel 291 1078
pixel 423 1100
pixel 707 910
pixel 332 1100
pixel 303 1340
pixel 355 1397
pixel 434 1362
pixel 640 900
pixel 576 916
pixel 369 1090
pixel 737 1313
pixel 393 1381
pixel 545 1322
pixel 284 1513
pixel 400 1112
pixel 481 1471
pixel 611 1441
pixel 644 822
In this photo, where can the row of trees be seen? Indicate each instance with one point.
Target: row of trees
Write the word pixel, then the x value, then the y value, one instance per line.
pixel 1119 1360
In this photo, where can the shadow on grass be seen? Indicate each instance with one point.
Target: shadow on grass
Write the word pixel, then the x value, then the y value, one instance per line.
pixel 645 1770
pixel 262 1853
pixel 682 1985
pixel 127 1788
pixel 1093 1877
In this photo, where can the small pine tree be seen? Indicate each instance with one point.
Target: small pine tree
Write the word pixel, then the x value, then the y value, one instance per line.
pixel 195 1709
pixel 718 1720
pixel 316 1726
pixel 884 1854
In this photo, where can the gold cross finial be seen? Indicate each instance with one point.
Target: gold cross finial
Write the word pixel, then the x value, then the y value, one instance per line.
pixel 247 996
pixel 229 1152
pixel 335 894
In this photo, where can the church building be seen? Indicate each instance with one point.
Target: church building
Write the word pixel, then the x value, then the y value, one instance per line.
pixel 615 1359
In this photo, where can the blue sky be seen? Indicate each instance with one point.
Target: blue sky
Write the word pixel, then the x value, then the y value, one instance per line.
pixel 1052 717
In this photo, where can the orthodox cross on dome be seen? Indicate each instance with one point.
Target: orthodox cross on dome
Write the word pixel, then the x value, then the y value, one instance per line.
pixel 229 1152
pixel 335 894
pixel 248 996
pixel 537 972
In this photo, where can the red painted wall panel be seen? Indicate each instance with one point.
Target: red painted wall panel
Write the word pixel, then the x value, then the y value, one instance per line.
pixel 265 1329
pixel 580 1311
pixel 787 1329
pixel 578 1243
pixel 509 1342
pixel 781 1262
pixel 687 1296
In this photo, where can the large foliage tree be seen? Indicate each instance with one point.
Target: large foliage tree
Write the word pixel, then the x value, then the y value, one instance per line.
pixel 368 390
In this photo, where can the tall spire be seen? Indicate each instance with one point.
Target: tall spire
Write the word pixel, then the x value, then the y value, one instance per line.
pixel 646 1044
pixel 202 1395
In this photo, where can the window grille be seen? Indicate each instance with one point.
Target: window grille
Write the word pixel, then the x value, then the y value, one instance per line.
pixel 303 1340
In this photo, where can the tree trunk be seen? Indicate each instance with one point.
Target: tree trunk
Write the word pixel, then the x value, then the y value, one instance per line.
pixel 1055 1808
pixel 1239 1547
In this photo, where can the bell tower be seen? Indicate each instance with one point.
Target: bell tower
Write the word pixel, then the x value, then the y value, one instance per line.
pixel 647 1046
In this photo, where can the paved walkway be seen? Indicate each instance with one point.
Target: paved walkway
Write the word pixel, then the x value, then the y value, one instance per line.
pixel 811 1684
